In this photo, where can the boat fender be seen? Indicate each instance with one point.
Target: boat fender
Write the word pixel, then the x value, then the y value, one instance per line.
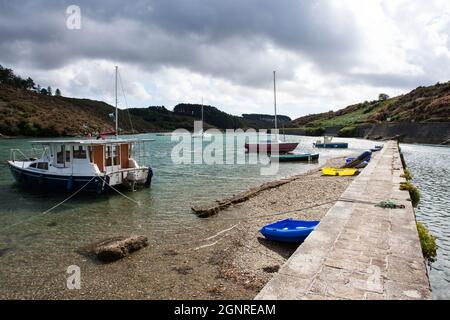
pixel 70 184
pixel 148 181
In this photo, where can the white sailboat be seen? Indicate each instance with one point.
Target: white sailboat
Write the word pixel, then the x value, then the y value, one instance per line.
pixel 88 164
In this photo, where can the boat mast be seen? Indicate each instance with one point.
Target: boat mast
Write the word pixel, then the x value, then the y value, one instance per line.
pixel 275 104
pixel 202 115
pixel 117 115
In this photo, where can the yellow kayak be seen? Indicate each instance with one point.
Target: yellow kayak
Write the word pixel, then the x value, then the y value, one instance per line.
pixel 339 172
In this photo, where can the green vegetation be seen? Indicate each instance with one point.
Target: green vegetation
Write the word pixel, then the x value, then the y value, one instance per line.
pixel 427 242
pixel 407 175
pixel 266 118
pixel 7 77
pixel 348 132
pixel 423 104
pixel 318 131
pixel 414 192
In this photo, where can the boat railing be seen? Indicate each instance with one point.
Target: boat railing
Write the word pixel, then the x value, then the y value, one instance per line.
pixel 15 152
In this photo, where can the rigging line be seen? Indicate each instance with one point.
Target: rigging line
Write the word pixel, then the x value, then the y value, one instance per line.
pixel 279 212
pixel 123 195
pixel 52 208
pixel 126 103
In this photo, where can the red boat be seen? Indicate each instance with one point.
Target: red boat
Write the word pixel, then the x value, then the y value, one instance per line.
pixel 281 147
pixel 272 146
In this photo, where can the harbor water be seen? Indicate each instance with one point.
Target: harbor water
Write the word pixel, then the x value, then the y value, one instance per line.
pixel 37 247
pixel 429 166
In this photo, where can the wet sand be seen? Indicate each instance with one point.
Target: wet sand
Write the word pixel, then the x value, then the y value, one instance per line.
pixel 221 257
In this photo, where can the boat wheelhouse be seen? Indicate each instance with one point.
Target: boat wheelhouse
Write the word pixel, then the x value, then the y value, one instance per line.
pixel 94 165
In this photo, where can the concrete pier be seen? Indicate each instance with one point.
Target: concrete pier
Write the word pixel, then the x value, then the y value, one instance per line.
pixel 360 251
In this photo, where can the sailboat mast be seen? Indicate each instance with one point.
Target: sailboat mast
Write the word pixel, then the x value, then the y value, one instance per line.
pixel 117 115
pixel 275 101
pixel 202 111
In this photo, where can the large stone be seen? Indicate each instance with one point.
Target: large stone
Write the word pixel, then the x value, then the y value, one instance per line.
pixel 116 248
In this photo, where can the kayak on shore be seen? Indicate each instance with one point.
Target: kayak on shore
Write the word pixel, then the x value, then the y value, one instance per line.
pixel 339 171
pixel 289 230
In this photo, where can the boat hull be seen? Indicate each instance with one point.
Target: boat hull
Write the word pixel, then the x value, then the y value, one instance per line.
pixel 339 171
pixel 283 147
pixel 58 183
pixel 296 157
pixel 331 145
pixel 289 230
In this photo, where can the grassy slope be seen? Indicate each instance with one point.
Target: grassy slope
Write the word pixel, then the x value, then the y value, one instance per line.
pixel 27 113
pixel 420 105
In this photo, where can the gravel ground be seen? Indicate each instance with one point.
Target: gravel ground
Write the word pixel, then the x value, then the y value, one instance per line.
pixel 250 259
pixel 223 257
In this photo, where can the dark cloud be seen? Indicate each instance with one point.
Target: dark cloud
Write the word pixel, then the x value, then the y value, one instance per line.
pixel 233 40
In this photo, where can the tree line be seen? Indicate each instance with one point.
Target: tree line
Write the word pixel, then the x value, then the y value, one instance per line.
pixel 8 77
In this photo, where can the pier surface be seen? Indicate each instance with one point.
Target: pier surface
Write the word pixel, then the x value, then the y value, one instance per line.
pixel 360 251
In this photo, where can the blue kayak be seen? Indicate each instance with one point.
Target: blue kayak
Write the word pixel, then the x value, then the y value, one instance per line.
pixel 289 230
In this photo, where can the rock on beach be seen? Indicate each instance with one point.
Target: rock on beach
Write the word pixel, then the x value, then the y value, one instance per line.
pixel 116 248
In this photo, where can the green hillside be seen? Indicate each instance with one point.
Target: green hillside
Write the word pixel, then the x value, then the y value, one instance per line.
pixel 424 104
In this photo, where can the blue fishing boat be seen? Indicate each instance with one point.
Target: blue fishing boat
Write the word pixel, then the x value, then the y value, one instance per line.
pixel 291 157
pixel 289 230
pixel 328 144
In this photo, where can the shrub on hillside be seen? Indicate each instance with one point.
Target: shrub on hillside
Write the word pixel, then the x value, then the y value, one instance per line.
pixel 348 132
pixel 316 131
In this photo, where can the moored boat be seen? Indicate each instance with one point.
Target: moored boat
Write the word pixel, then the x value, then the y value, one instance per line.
pixel 339 171
pixel 69 165
pixel 276 145
pixel 328 144
pixel 91 165
pixel 292 157
pixel 289 230
pixel 270 147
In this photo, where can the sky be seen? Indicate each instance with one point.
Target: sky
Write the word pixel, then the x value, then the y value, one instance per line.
pixel 327 54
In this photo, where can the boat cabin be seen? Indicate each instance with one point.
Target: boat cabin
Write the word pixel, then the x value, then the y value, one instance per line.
pixel 103 156
pixel 116 159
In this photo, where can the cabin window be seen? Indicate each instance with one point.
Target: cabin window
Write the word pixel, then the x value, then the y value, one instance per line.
pixel 79 152
pixel 115 154
pixel 33 165
pixel 108 156
pixel 60 155
pixel 42 165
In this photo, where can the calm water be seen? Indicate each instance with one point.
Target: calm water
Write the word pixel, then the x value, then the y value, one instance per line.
pixel 48 242
pixel 430 167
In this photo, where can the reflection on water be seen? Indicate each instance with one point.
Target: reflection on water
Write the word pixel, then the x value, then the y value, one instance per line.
pixel 430 168
pixel 48 243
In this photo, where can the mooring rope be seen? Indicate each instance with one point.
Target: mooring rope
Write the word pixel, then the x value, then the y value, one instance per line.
pixel 52 208
pixel 123 195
